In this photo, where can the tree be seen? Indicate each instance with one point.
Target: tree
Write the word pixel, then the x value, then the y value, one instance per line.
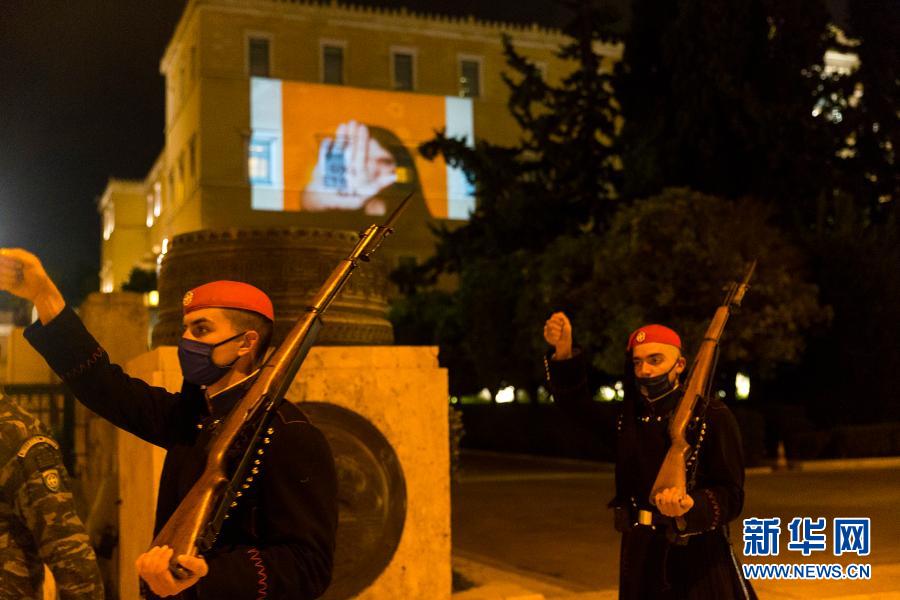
pixel 862 108
pixel 666 260
pixel 715 98
pixel 854 242
pixel 564 173
pixel 561 178
pixel 732 98
pixel 140 280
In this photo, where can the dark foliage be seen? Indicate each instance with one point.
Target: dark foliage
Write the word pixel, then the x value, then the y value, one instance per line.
pixel 140 280
pixel 737 143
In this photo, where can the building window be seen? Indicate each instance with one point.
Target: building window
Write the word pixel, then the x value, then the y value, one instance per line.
pixel 470 77
pixel 157 199
pixel 180 182
pixel 332 64
pixel 106 277
pixel 259 163
pixel 258 57
pixel 150 215
pixel 192 156
pixel 403 70
pixel 109 220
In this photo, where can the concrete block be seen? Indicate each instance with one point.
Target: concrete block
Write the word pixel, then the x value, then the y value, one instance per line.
pixel 403 393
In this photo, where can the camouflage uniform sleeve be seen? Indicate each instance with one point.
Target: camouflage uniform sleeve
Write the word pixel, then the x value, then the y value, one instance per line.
pixel 45 504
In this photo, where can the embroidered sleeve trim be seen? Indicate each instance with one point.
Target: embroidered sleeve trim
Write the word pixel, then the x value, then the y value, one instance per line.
pixel 717 512
pixel 262 579
pixel 90 362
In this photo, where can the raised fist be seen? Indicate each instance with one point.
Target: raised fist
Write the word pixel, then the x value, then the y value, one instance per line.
pixel 21 274
pixel 558 333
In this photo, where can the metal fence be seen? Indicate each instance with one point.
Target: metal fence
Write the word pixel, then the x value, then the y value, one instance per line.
pixel 54 405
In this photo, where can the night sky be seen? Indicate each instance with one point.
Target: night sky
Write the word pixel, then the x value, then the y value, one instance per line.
pixel 81 100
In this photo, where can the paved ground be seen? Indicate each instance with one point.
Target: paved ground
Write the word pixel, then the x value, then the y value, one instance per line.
pixel 548 519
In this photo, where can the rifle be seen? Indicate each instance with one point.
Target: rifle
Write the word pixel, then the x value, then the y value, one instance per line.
pixel 197 521
pixel 673 473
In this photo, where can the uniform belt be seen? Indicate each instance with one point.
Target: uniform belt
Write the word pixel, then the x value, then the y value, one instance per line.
pixel 650 518
pixel 627 518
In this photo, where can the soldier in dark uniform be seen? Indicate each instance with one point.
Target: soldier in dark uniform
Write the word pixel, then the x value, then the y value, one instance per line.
pixel 38 522
pixel 279 541
pixel 676 546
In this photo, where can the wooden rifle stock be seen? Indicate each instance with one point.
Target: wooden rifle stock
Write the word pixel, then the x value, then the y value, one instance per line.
pixel 673 473
pixel 196 522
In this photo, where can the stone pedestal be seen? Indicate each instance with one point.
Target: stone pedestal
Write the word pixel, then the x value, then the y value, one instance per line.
pixel 120 322
pixel 384 411
pixel 402 392
pixel 140 465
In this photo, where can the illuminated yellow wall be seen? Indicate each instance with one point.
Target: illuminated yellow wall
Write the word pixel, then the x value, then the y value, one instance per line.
pixel 125 203
pixel 208 101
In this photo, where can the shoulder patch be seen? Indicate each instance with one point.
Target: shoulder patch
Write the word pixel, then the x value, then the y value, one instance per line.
pixel 51 480
pixel 33 441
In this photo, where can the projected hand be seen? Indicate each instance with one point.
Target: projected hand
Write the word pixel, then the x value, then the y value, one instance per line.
pixel 558 333
pixel 352 167
pixel 23 275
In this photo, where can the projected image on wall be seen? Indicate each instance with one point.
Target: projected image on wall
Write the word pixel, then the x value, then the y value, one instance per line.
pixel 325 148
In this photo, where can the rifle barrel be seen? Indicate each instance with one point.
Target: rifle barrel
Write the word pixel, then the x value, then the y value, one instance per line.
pixel 672 472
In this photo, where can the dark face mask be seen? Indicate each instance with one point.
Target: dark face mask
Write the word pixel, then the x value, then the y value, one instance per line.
pixel 197 365
pixel 658 385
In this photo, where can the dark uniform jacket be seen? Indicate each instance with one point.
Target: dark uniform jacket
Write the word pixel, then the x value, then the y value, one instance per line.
pixel 702 564
pixel 279 541
pixel 38 522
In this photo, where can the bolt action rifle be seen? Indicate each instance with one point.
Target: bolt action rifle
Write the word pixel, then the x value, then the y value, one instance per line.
pixel 196 523
pixel 673 473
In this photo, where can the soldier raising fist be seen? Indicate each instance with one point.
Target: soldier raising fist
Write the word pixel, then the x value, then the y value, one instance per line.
pixel 279 543
pixel 706 568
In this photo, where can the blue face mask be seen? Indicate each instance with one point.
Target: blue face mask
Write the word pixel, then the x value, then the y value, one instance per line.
pixel 197 365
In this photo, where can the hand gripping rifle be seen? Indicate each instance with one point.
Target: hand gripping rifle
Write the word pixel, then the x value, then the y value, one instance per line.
pixel 673 473
pixel 196 523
